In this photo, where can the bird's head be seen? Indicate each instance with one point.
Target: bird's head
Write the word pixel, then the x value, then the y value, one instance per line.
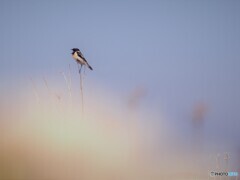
pixel 75 49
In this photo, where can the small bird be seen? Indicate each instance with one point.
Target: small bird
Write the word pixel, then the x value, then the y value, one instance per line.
pixel 78 56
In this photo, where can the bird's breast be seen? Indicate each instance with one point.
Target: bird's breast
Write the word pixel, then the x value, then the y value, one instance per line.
pixel 78 59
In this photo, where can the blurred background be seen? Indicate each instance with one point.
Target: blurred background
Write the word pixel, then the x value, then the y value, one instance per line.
pixel 161 103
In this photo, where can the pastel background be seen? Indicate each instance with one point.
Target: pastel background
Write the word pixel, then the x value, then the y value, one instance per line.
pixel 162 101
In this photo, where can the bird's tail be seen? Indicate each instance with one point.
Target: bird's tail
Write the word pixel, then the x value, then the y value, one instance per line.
pixel 89 66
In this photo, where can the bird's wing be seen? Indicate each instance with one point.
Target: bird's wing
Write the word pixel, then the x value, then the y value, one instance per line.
pixel 81 56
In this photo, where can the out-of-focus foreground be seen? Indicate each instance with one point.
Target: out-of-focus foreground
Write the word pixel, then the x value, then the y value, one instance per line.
pixel 44 135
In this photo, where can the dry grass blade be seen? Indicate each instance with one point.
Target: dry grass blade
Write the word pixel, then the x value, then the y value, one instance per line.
pixel 58 97
pixel 35 90
pixel 68 83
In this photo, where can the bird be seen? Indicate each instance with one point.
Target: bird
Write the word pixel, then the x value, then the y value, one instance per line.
pixel 78 56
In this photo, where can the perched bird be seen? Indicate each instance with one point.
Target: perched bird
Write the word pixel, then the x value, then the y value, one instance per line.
pixel 78 56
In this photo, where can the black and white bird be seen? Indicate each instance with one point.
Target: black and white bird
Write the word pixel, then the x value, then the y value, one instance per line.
pixel 78 56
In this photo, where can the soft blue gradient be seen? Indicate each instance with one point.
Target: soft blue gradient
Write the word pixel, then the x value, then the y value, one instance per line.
pixel 181 51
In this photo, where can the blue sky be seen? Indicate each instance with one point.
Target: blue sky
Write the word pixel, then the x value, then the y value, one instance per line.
pixel 182 51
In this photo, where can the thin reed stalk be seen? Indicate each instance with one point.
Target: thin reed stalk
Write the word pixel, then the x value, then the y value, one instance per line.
pixel 81 89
